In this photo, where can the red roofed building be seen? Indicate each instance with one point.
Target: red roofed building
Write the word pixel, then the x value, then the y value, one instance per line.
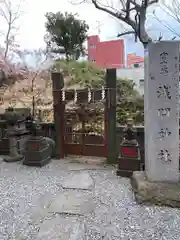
pixel 108 54
pixel 133 60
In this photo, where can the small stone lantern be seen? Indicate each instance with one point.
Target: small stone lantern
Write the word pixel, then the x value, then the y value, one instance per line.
pixel 129 159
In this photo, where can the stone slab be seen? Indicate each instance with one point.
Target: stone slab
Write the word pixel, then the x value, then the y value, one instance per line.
pixel 80 167
pixel 64 229
pixel 159 193
pixel 75 203
pixel 81 180
pixel 99 161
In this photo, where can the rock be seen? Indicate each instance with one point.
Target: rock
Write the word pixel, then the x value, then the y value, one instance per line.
pixel 159 193
pixel 59 228
pixel 15 158
pixel 76 203
pixel 52 145
pixel 78 181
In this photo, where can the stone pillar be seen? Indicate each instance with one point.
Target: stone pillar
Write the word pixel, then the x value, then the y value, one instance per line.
pixel 161 112
pixel 59 110
pixel 14 154
pixel 110 116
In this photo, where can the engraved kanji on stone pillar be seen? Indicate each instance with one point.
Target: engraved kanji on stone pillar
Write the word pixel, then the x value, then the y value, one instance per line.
pixel 162 112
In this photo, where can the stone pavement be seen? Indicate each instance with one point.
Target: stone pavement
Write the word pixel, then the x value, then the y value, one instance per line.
pixel 46 203
pixel 76 202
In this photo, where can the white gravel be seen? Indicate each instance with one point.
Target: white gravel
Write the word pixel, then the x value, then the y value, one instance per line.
pixel 25 190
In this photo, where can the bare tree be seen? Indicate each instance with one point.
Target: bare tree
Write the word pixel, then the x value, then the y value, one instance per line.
pixel 10 12
pixel 172 9
pixel 130 12
pixel 36 75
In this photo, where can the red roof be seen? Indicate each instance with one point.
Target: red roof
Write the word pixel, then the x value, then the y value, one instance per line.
pixel 133 59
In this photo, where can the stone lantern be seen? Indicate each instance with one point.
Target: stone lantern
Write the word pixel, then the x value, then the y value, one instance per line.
pixel 129 159
pixel 15 126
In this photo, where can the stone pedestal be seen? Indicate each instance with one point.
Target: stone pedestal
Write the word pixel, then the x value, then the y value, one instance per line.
pixel 38 152
pixel 162 111
pixel 14 154
pixel 15 128
pixel 129 159
pixel 159 193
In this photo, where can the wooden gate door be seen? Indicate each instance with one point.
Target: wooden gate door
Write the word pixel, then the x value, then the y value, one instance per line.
pixel 84 120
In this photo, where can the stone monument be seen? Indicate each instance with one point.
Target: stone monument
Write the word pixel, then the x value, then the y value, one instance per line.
pixel 161 177
pixel 162 113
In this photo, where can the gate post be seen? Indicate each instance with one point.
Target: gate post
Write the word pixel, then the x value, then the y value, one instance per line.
pixel 59 111
pixel 110 116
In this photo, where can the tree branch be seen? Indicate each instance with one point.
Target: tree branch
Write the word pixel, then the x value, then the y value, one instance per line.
pixel 115 14
pixel 107 10
pixel 10 16
pixel 126 33
pixel 136 5
pixel 136 22
pixel 152 2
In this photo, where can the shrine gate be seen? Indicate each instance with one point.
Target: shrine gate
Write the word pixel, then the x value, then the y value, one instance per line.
pixel 85 119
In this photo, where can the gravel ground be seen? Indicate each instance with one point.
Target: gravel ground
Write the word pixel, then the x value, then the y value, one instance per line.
pixel 25 190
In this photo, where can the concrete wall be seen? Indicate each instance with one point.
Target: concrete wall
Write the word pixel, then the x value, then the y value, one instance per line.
pixel 134 74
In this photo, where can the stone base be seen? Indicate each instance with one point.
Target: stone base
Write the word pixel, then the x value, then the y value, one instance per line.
pixel 15 158
pixel 124 173
pixel 40 163
pixel 159 193
pixel 126 166
pixel 37 152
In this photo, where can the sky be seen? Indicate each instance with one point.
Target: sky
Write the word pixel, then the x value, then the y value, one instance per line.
pixel 32 30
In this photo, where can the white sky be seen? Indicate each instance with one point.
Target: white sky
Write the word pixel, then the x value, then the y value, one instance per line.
pixel 32 24
pixel 32 30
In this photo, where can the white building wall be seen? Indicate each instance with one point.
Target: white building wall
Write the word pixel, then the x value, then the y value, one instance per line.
pixel 134 74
